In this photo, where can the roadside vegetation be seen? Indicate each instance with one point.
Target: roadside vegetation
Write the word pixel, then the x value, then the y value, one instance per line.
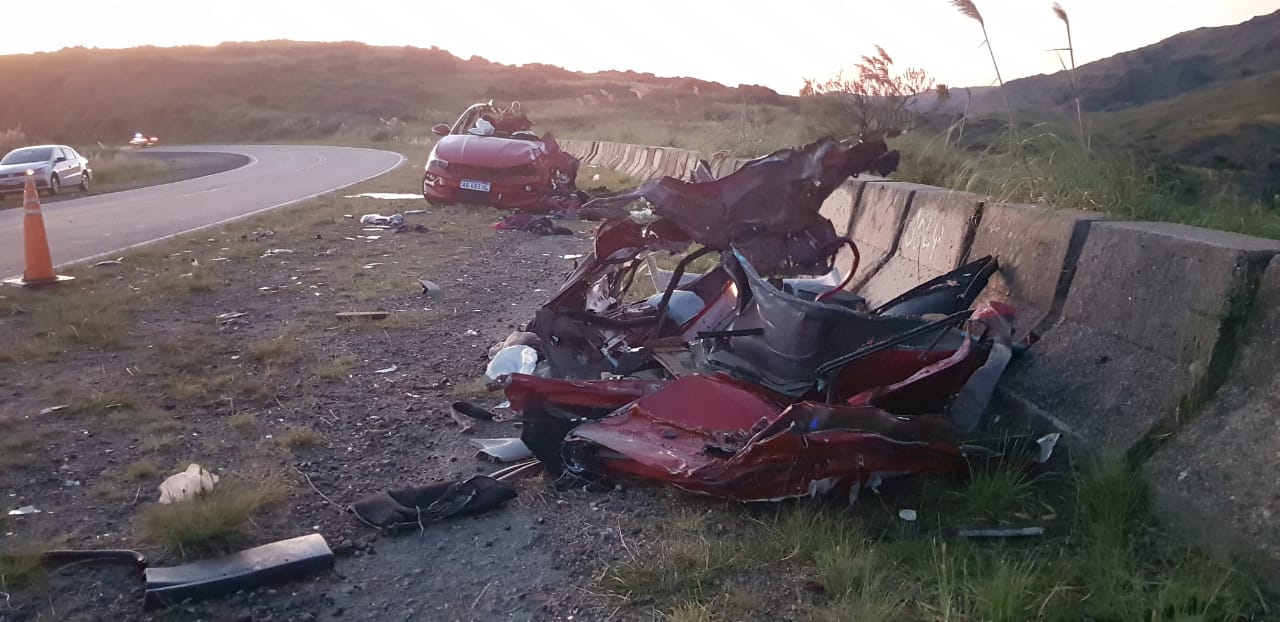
pixel 1063 156
pixel 1101 557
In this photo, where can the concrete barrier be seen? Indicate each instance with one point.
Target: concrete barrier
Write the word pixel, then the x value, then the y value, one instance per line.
pixel 840 209
pixel 1147 325
pixel 1037 248
pixel 877 224
pixel 935 239
pixel 1220 469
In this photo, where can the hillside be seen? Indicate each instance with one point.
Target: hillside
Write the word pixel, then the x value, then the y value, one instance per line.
pixel 1205 100
pixel 298 91
pixel 1175 66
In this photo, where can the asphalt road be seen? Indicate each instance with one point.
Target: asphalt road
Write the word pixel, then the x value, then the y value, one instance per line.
pixel 276 175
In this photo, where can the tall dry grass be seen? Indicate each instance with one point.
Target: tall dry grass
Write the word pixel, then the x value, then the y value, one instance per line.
pixel 970 10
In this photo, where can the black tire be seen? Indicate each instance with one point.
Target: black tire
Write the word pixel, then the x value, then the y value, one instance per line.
pixel 55 186
pixel 84 182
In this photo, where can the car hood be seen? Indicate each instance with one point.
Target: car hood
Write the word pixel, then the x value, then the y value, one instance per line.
pixel 487 150
pixel 20 168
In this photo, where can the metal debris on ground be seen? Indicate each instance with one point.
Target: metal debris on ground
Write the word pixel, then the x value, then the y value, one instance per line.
pixel 24 511
pixel 263 565
pixel 429 288
pixel 109 262
pixel 54 409
pixel 503 449
pixel 388 370
pixel 394 220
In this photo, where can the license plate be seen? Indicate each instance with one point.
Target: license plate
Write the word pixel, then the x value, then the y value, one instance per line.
pixel 481 186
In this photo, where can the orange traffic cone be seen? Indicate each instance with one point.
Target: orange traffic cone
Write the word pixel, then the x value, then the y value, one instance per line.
pixel 39 264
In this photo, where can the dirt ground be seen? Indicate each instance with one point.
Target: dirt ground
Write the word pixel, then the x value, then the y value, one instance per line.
pixel 152 381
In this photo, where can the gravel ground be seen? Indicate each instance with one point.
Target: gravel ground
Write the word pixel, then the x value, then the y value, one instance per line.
pixel 177 386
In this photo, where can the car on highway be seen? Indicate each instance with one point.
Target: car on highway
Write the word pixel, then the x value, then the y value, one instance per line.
pixel 53 168
pixel 491 156
pixel 143 140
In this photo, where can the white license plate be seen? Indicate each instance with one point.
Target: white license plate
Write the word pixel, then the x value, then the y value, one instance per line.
pixel 468 184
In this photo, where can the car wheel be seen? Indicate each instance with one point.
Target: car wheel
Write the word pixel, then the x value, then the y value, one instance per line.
pixel 84 182
pixel 55 186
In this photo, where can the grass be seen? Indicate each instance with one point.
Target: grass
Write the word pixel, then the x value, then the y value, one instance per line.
pixel 214 521
pixel 337 368
pixel 1102 559
pixel 299 438
pixel 243 423
pixel 18 569
pixel 141 470
pixel 1063 173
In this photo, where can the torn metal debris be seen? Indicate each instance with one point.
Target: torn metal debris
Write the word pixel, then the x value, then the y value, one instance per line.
pixel 765 377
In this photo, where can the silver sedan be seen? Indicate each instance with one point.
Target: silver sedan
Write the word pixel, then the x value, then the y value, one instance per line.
pixel 53 167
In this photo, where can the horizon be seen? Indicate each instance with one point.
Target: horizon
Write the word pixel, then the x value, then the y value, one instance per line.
pixel 938 39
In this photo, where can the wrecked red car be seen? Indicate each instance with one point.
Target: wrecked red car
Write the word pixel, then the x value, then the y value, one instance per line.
pixel 763 378
pixel 492 157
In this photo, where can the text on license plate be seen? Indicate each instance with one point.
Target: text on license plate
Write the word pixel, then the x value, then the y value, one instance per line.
pixel 468 184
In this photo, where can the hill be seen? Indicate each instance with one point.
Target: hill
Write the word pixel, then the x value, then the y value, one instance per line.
pixel 285 90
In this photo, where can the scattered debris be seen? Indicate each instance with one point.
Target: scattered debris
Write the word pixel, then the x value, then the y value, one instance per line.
pixel 259 566
pixel 471 333
pixel 533 223
pixel 388 196
pixel 387 370
pixel 187 485
pixel 230 317
pixel 54 409
pixel 273 252
pixel 429 288
pixel 24 511
pixel 512 360
pixel 370 266
pixel 999 532
pixel 394 220
pixel 472 411
pixel 503 449
pixel 109 262
pixel 414 507
pixel 464 420
pixel 908 515
pixel 415 212
pixel 362 315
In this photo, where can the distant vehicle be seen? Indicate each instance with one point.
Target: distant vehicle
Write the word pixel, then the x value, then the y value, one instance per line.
pixel 142 140
pixel 53 167
pixel 491 157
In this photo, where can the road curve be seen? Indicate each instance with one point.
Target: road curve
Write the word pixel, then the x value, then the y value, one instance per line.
pixel 276 175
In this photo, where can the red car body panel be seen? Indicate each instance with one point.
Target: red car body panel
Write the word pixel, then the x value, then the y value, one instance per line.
pixel 718 437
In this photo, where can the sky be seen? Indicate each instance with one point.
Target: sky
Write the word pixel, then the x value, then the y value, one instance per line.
pixel 773 43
